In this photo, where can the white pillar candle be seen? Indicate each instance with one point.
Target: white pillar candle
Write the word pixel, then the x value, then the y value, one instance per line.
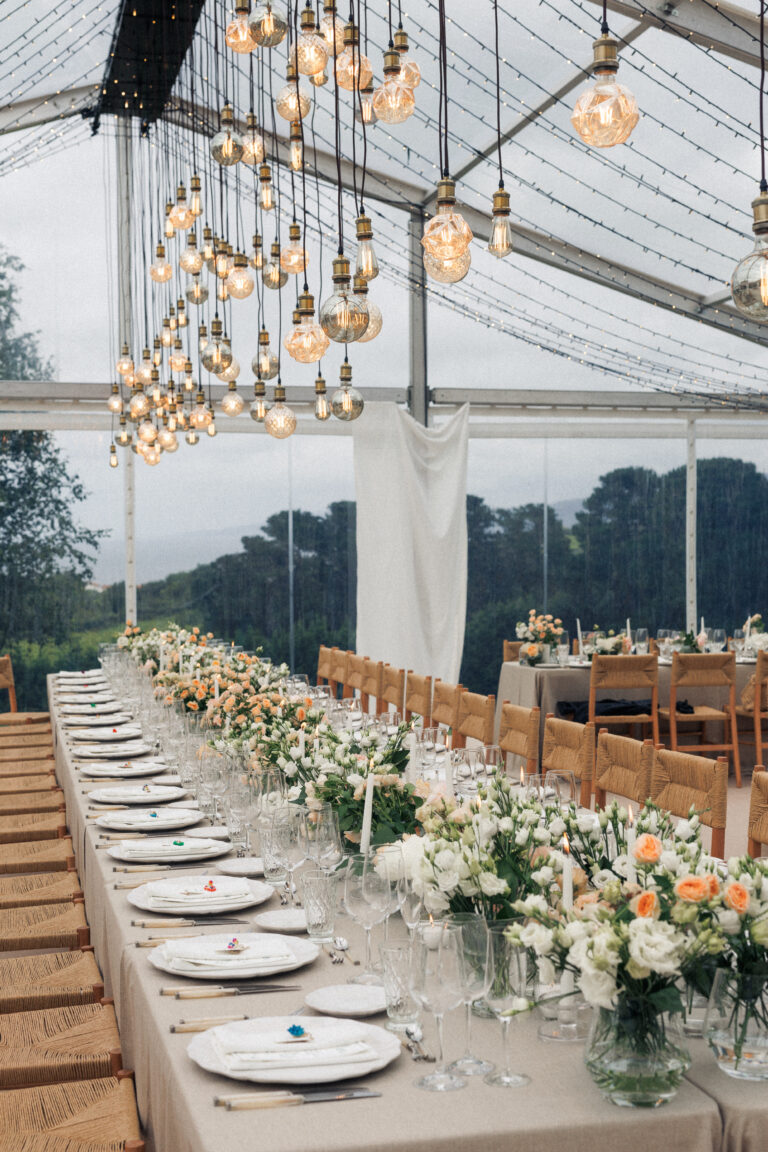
pixel 317 745
pixel 631 840
pixel 629 633
pixel 567 877
pixel 701 629
pixel 410 744
pixel 748 626
pixel 302 741
pixel 432 935
pixel 578 632
pixel 216 687
pixel 449 776
pixel 365 835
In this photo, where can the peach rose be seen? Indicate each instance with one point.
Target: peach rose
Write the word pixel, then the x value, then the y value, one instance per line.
pixel 586 898
pixel 301 714
pixel 647 848
pixel 645 904
pixel 713 885
pixel 737 897
pixel 693 889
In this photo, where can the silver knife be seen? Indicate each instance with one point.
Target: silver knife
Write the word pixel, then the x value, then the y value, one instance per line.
pixel 180 922
pixel 283 1099
pixel 230 990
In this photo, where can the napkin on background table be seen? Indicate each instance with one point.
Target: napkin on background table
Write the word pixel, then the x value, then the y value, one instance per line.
pixel 339 1043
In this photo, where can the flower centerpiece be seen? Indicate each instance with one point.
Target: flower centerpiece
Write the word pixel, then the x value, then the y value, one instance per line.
pixel 755 636
pixel 540 632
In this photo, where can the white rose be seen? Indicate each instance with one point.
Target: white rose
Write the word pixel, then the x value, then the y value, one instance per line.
pixel 448 880
pixel 446 858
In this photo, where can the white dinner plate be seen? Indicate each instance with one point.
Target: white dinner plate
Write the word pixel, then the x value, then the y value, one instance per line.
pixel 302 952
pixel 135 794
pixel 203 1050
pixel 86 723
pixel 162 851
pixel 105 709
pixel 282 920
pixel 87 699
pixel 210 831
pixel 242 866
pixel 148 819
pixel 115 735
pixel 82 674
pixel 89 688
pixel 347 1000
pixel 126 751
pixel 127 768
pixel 169 778
pixel 206 903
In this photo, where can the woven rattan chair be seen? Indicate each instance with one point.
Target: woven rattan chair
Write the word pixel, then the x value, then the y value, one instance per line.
pixel 42 888
pixel 339 669
pixel 570 747
pixel 754 705
pixel 81 1116
pixel 76 1042
pixel 44 926
pixel 617 673
pixel 27 736
pixel 519 733
pixel 705 670
pixel 7 683
pixel 33 826
pixel 476 717
pixel 757 824
pixel 324 662
pixel 43 767
pixel 38 782
pixel 373 678
pixel 356 675
pixel 418 698
pixel 392 689
pixel 512 650
pixel 50 980
pixel 680 780
pixel 623 767
pixel 20 802
pixel 37 856
pixel 445 706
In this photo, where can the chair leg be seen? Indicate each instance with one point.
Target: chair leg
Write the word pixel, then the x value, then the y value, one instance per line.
pixel 585 796
pixel 754 848
pixel 599 798
pixel 718 842
pixel 734 735
pixel 758 723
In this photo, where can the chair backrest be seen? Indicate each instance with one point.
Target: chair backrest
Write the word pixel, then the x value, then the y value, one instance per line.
pixel 445 704
pixel 757 826
pixel 7 681
pixel 418 697
pixel 512 650
pixel 372 680
pixel 623 766
pixel 519 733
pixel 339 670
pixel 680 779
pixel 324 664
pixel 355 671
pixel 703 670
pixel 755 693
pixel 624 672
pixel 393 687
pixel 568 747
pixel 476 715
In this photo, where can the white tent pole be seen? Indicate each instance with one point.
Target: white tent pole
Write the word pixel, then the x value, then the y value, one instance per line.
pixel 419 388
pixel 690 529
pixel 125 327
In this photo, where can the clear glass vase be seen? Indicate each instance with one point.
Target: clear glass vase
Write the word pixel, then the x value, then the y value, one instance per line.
pixel 736 1025
pixel 636 1057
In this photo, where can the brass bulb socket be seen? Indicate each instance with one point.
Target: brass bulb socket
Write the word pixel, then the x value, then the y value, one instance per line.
pixel 391 62
pixel 360 285
pixel 168 206
pixel 240 260
pixel 265 173
pixel 195 184
pixel 295 133
pixel 307 19
pixel 227 116
pixel 157 343
pixel 251 120
pixel 166 322
pixel 188 366
pixel 363 229
pixel 345 374
pixel 501 202
pixel 760 214
pixel 329 7
pixel 291 72
pixel 275 250
pixel 160 251
pixel 306 306
pixel 145 354
pixel 320 385
pixel 259 389
pixel 181 194
pixel 180 306
pixel 200 397
pixel 115 389
pixel 155 377
pixel 446 191
pixel 264 337
pixel 124 350
pixel 279 393
pixel 207 234
pixel 605 56
pixel 232 386
pixel 400 40
pixel 242 9
pixel 294 232
pixel 351 35
pixel 216 327
pixel 256 240
pixel 340 270
pixel 295 317
pixel 202 331
pixel 177 343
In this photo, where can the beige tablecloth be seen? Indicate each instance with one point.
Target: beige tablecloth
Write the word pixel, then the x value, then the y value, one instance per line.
pixel 560 1109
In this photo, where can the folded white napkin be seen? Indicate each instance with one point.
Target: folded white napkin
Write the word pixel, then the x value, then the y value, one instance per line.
pixel 88 674
pixel 124 792
pixel 142 818
pixel 211 952
pixel 107 735
pixel 170 893
pixel 139 849
pixel 340 1043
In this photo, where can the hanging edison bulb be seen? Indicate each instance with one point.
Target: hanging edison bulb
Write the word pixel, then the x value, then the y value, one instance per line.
pixel 139 404
pixel 322 407
pixel 293 100
pixel 188 381
pixel 209 247
pixel 343 316
pixel 168 229
pixel 227 145
pixel 152 454
pixel 393 102
pixel 280 421
pixel 500 243
pixel 264 363
pixel 232 403
pixel 366 264
pixel 256 259
pixel 447 235
pixel 410 73
pixel 181 215
pixel 211 430
pixel 238 35
pixel 749 283
pixel 144 370
pixel 375 318
pixel 448 271
pixel 260 405
pixel 160 270
pixel 195 200
pixel 311 50
pixel 182 313
pixel 166 335
pixel 222 292
pixel 227 375
pixel 268 25
pixel 157 352
pixel 217 353
pixel 196 292
pixel 191 259
pixel 273 273
pixel 178 357
pixel 296 147
pixel 124 365
pixel 319 79
pixel 353 69
pixel 293 258
pixel 156 393
pixel 253 142
pixel 125 434
pixel 201 415
pixel 239 281
pixel 113 461
pixel 147 432
pixel 172 318
pixel 332 28
pixel 306 342
pixel 605 112
pixel 364 110
pixel 221 266
pixel 266 191
pixel 115 402
pixel 166 438
pixel 192 436
pixel 346 402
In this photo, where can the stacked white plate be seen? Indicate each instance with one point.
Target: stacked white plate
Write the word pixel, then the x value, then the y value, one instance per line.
pixel 149 819
pixel 127 750
pixel 162 851
pixel 216 956
pixel 199 895
pixel 106 735
pixel 127 768
pixel 77 724
pixel 105 709
pixel 88 674
pixel 136 794
pixel 86 698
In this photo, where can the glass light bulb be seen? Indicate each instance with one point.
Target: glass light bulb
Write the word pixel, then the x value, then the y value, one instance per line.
pixel 182 314
pixel 264 363
pixel 160 270
pixel 375 322
pixel 268 25
pixel 166 336
pixel 231 373
pixel 293 258
pixel 195 200
pixel 181 217
pixel 200 417
pixel 222 265
pixel 192 437
pixel 749 283
pixel 144 371
pixel 347 403
pixel 296 155
pixel 226 147
pixel 124 364
pixel 280 421
pixel 322 407
pixel 364 111
pixel 152 455
pixel 115 403
pixel 157 354
pixel 605 112
pixel 253 148
pixel 500 243
pixel 238 35
pixel 211 430
pixel 332 30
pixel 448 271
pixel 344 316
pixel 311 53
pixel 196 292
pixel 353 71
pixel 366 264
pixel 217 355
pixel 168 230
pixel 147 432
pixel 306 341
pixel 410 73
pixel 273 274
pixel 191 260
pixel 177 360
pixel 232 404
pixel 129 380
pixel 292 104
pixel 393 102
pixel 166 438
pixel 240 283
pixel 267 196
pixel 113 461
pixel 259 409
pixel 447 235
pixel 139 405
pixel 319 79
pixel 222 292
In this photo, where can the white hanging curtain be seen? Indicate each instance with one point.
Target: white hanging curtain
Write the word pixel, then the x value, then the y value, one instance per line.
pixel 411 488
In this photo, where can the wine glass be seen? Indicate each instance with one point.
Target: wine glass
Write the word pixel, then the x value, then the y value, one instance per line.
pixel 236 807
pixel 563 649
pixel 324 838
pixel 563 783
pixel 409 900
pixel 427 746
pixel 738 642
pixel 476 979
pixel 718 640
pixel 506 995
pixel 290 844
pixel 437 984
pixel 368 900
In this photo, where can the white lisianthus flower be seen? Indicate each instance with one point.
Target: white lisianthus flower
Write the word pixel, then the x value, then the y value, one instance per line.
pixel 294 792
pixel 522 837
pixel 599 988
pixel 543 876
pixel 506 824
pixel 728 920
pixel 670 861
pixel 541 835
pixel 556 828
pixel 655 945
pixel 491 884
pixel 538 937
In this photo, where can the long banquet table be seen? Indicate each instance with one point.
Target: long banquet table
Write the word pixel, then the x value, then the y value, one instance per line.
pixel 561 1108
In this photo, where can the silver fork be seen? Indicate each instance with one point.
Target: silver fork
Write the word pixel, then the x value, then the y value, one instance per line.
pixel 335 957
